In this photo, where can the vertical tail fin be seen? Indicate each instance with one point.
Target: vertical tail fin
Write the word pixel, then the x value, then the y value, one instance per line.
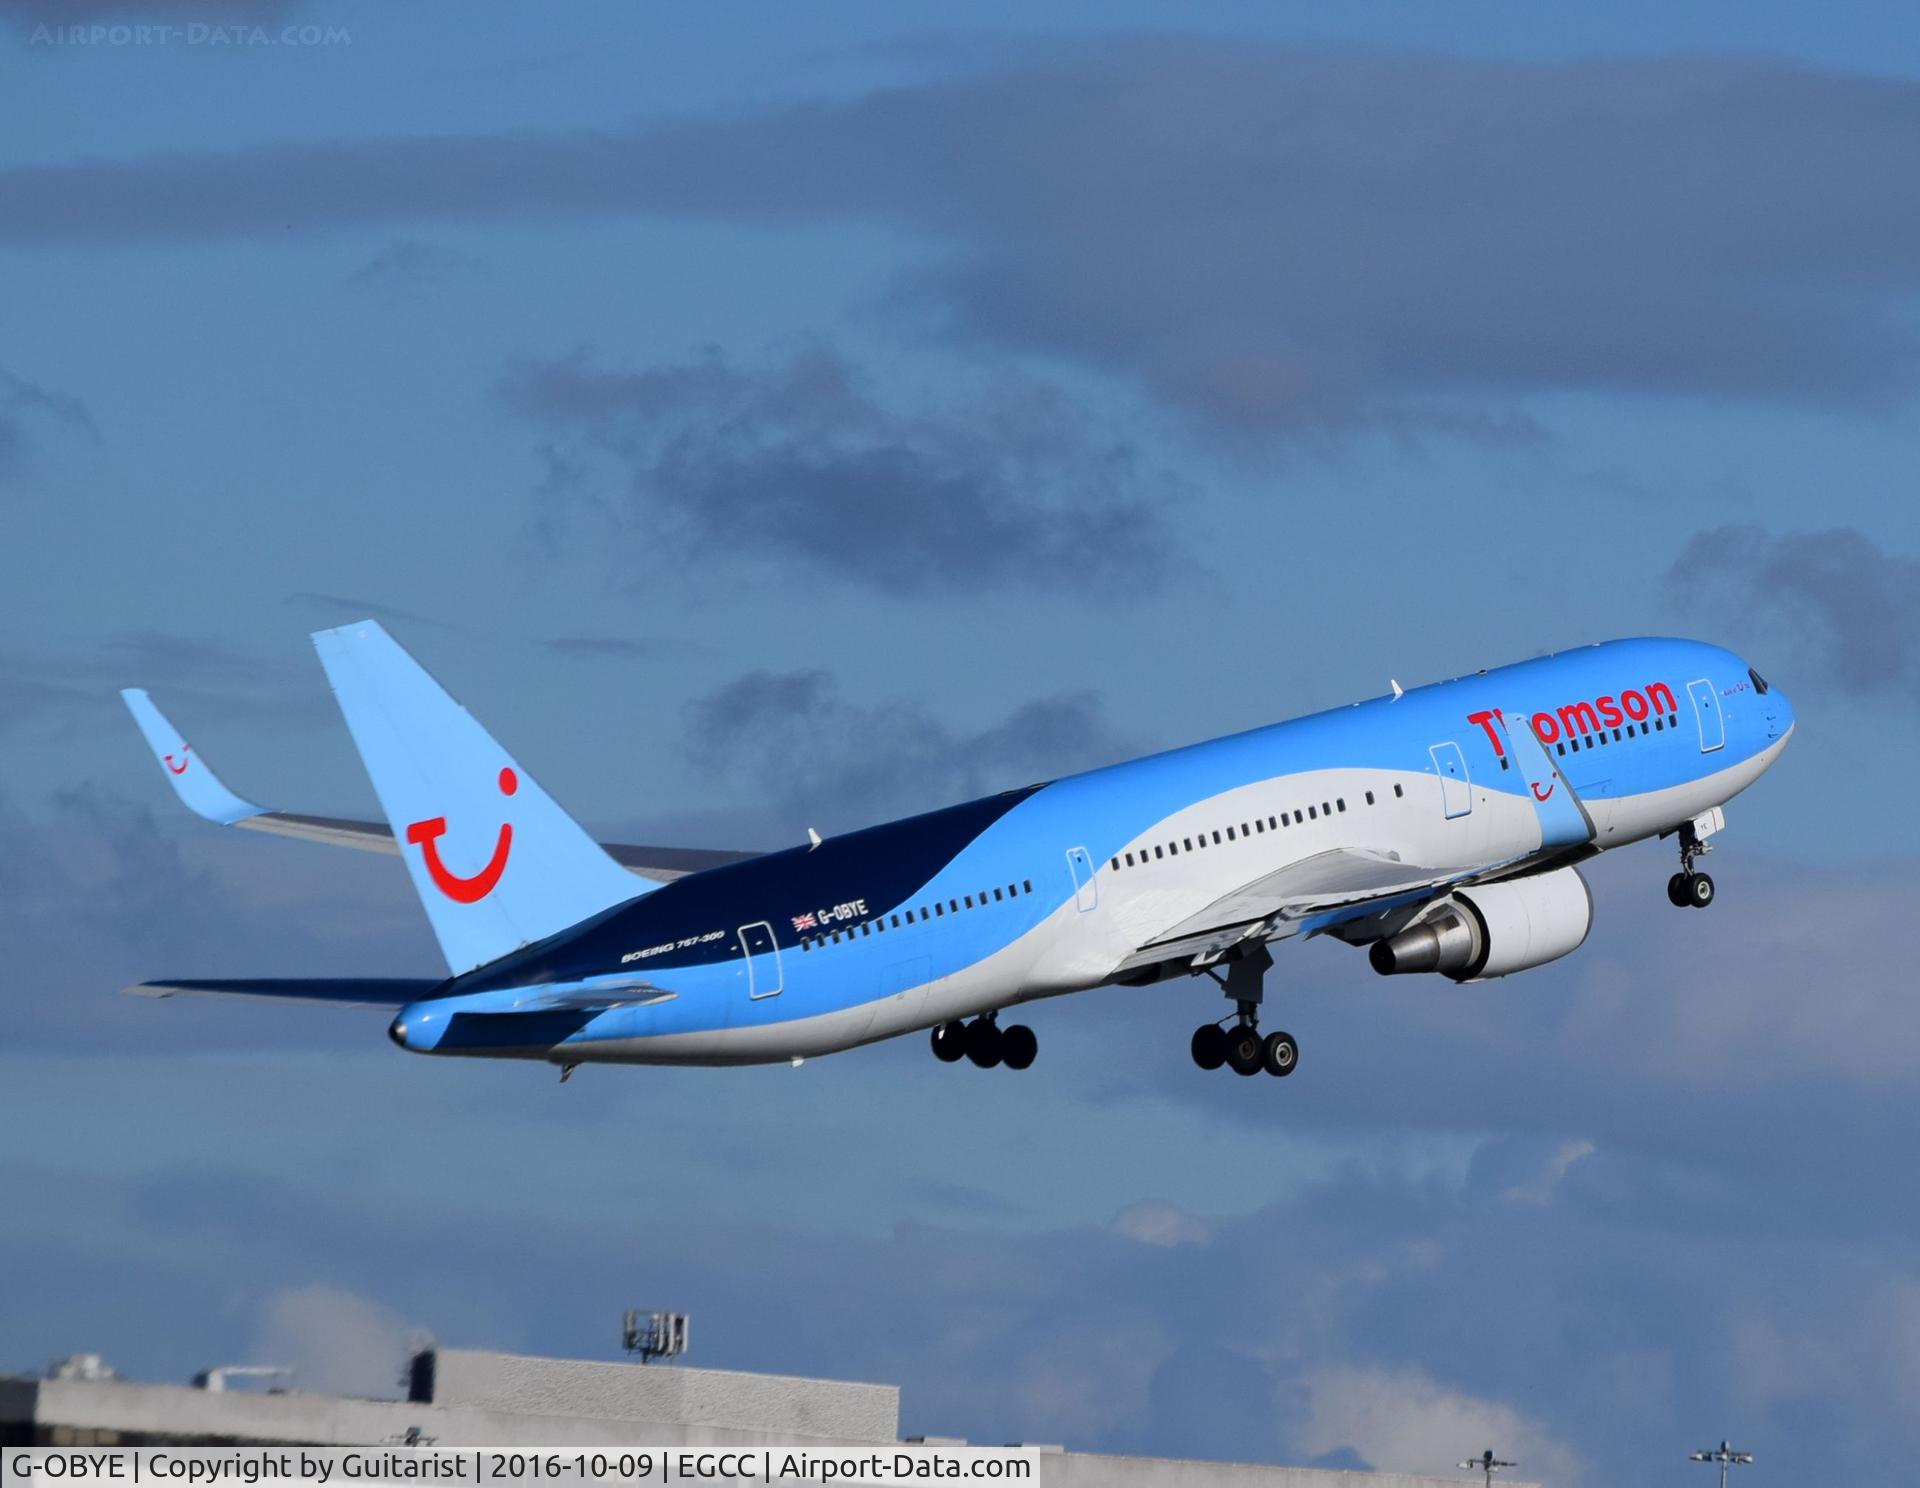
pixel 495 860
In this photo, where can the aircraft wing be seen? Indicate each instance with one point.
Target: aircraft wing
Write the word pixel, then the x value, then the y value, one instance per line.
pixel 1281 903
pixel 203 793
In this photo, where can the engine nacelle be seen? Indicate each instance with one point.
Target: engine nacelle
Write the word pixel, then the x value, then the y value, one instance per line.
pixel 1493 929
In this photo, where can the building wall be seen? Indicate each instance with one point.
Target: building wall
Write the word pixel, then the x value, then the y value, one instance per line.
pixel 90 1413
pixel 671 1395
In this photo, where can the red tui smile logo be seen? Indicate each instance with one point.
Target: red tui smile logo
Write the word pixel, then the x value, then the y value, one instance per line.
pixel 1541 795
pixel 181 768
pixel 465 890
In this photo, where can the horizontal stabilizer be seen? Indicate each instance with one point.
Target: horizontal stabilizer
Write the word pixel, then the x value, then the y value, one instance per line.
pixel 380 992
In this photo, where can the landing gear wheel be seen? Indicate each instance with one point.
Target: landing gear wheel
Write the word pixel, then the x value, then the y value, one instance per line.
pixel 949 1042
pixel 984 1043
pixel 1209 1046
pixel 1018 1046
pixel 1280 1054
pixel 1246 1051
pixel 1677 891
pixel 1699 890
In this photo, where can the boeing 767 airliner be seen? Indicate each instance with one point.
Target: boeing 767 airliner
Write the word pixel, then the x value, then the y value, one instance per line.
pixel 1439 827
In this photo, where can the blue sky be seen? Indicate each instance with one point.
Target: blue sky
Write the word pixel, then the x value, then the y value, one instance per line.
pixel 780 416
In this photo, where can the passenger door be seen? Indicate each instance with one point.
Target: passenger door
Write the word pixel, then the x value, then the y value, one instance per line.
pixel 765 976
pixel 1456 790
pixel 1706 711
pixel 1086 891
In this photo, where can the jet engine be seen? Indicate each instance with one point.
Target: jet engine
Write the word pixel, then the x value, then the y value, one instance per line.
pixel 1493 929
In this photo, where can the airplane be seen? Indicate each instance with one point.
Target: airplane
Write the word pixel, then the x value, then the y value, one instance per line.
pixel 1439 827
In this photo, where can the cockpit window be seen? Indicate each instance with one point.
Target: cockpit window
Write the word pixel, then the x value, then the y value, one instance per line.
pixel 1759 682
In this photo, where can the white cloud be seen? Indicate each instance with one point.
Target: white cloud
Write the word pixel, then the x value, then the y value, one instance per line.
pixel 1162 1225
pixel 335 1341
pixel 1541 1190
pixel 1400 1420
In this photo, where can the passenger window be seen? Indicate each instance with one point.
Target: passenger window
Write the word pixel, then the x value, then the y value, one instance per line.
pixel 1012 892
pixel 1157 852
pixel 1029 883
pixel 1258 825
pixel 1274 823
pixel 1243 830
pixel 1560 748
pixel 939 910
pixel 1129 860
pixel 1116 865
pixel 997 896
pixel 954 905
pixel 1398 792
pixel 1616 736
pixel 1216 839
pixel 969 898
pixel 1370 793
pixel 1230 836
pixel 1341 802
pixel 1189 842
pixel 865 928
pixel 1325 809
pixel 1313 813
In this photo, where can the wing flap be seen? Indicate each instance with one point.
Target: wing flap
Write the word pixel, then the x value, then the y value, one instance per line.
pixel 1283 902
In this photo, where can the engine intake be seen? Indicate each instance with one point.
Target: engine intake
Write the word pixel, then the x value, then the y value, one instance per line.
pixel 1489 931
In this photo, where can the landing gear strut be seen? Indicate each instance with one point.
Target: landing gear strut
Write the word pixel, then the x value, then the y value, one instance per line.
pixel 1241 1048
pixel 986 1043
pixel 1688 889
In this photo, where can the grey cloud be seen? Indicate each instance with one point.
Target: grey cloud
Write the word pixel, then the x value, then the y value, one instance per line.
pixel 103 891
pixel 838 764
pixel 801 458
pixel 1276 239
pixel 60 691
pixel 616 648
pixel 406 269
pixel 342 604
pixel 1847 610
pixel 27 410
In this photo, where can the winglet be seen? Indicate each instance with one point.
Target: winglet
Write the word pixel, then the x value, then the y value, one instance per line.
pixel 186 772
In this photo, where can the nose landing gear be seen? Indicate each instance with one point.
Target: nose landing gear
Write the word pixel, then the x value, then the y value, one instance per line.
pixel 1241 1048
pixel 1689 889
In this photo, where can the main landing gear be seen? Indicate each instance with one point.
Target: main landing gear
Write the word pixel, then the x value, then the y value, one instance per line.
pixel 1241 1048
pixel 986 1043
pixel 1688 889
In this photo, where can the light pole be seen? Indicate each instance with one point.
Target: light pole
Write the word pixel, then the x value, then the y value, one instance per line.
pixel 1725 1456
pixel 1486 1464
